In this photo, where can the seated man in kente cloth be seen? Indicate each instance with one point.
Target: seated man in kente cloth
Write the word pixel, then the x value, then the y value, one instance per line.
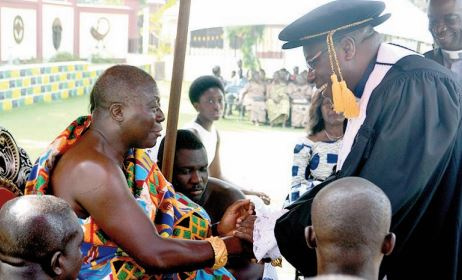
pixel 191 178
pixel 135 225
pixel 40 238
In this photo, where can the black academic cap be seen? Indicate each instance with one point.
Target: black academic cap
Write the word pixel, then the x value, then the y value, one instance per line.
pixel 342 15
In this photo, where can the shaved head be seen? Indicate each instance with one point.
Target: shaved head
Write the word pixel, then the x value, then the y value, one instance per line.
pixel 33 227
pixel 351 221
pixel 120 84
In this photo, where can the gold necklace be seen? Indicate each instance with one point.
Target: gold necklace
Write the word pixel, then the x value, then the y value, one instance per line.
pixel 332 138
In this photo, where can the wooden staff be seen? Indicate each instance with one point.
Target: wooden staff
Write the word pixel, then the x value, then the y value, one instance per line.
pixel 175 88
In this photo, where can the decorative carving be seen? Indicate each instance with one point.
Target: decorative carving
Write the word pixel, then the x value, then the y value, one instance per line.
pixel 18 29
pixel 101 29
pixel 15 165
pixel 57 29
pixel 9 156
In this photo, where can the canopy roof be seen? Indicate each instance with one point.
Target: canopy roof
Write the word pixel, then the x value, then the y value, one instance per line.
pixel 407 21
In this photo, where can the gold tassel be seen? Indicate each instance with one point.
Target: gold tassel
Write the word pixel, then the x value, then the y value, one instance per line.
pixel 351 107
pixel 339 105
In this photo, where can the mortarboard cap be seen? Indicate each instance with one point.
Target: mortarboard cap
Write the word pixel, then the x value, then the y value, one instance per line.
pixel 341 16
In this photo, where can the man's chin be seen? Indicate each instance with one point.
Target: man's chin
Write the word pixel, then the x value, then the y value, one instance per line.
pixel 196 196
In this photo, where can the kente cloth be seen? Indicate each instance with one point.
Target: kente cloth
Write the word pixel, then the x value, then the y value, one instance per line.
pixel 173 214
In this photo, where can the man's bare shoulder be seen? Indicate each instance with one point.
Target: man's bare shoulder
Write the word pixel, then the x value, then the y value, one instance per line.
pixel 86 160
pixel 85 173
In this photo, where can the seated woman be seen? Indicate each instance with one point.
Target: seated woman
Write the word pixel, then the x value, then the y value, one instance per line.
pixel 315 155
pixel 135 226
pixel 278 104
pixel 253 99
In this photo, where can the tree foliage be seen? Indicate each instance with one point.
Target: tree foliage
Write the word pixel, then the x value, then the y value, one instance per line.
pixel 246 38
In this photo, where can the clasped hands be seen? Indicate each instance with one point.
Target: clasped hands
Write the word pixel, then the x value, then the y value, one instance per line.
pixel 238 221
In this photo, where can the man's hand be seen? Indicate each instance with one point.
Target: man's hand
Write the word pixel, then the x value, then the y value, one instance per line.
pixel 244 228
pixel 240 209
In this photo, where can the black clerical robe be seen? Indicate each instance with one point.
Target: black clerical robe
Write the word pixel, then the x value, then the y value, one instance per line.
pixel 410 145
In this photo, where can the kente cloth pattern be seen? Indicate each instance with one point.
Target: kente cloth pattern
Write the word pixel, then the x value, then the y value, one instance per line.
pixel 173 214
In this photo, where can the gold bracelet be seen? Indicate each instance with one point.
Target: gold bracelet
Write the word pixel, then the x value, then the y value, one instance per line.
pixel 221 253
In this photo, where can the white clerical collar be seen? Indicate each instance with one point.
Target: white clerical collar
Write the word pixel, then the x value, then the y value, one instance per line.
pixel 453 55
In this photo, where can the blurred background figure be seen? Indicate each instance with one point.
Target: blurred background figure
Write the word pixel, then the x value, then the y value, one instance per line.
pixel 300 93
pixel 253 99
pixel 278 104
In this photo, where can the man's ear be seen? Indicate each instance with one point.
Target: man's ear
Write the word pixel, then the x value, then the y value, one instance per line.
pixel 310 237
pixel 349 47
pixel 388 243
pixel 117 112
pixel 56 263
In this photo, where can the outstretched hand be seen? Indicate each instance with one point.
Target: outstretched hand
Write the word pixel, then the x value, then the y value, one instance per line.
pixel 239 210
pixel 244 228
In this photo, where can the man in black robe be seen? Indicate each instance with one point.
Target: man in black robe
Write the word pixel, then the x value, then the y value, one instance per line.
pixel 405 136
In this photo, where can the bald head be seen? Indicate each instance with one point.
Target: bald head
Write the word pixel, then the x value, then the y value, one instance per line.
pixel 33 227
pixel 350 227
pixel 351 213
pixel 120 84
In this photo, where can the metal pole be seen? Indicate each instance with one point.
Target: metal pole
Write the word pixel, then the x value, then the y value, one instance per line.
pixel 175 89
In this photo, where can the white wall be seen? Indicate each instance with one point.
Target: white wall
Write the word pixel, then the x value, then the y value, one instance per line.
pixel 66 16
pixel 115 44
pixel 9 48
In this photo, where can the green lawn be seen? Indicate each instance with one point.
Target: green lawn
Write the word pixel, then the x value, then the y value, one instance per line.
pixel 35 126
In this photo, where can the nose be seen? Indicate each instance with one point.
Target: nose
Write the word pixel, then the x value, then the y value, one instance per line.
pixel 439 27
pixel 196 177
pixel 160 117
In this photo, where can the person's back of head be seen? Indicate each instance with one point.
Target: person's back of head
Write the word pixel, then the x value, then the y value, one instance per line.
pixel 216 70
pixel 350 228
pixel 40 238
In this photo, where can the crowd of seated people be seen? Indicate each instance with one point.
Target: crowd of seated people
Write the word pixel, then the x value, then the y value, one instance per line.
pixel 283 100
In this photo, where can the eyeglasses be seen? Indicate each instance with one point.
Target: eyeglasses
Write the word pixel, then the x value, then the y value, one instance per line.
pixel 448 20
pixel 311 63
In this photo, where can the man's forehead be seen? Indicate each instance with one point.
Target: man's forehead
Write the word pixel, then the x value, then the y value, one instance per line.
pixel 446 6
pixel 151 94
pixel 191 157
